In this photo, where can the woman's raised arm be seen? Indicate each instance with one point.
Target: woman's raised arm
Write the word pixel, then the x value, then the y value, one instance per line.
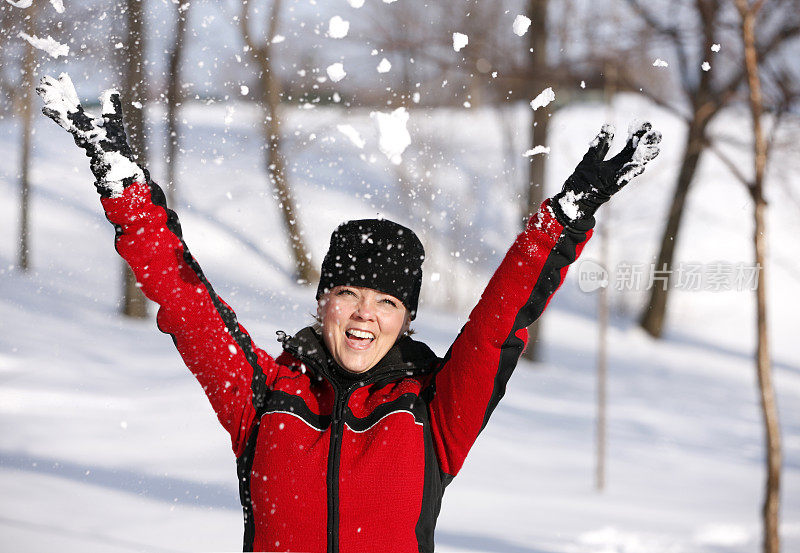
pixel 472 378
pixel 233 373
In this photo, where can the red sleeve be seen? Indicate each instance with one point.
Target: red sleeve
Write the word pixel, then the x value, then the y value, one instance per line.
pixel 214 346
pixel 473 375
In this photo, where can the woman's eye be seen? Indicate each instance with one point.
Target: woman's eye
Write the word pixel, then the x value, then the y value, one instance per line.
pixel 345 293
pixel 389 302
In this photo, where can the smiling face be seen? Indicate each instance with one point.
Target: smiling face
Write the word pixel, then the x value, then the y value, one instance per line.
pixel 360 325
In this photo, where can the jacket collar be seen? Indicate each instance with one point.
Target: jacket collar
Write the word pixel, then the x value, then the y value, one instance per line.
pixel 407 354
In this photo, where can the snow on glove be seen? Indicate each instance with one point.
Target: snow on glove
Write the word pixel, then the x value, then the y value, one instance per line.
pixel 102 138
pixel 595 179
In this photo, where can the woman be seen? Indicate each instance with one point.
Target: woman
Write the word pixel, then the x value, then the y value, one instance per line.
pixel 347 440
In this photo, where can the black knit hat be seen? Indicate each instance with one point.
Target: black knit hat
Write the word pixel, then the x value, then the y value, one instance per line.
pixel 377 254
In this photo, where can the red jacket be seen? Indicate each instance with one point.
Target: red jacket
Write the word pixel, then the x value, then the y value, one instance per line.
pixel 329 461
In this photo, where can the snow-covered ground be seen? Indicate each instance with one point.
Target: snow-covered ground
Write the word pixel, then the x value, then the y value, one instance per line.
pixel 108 443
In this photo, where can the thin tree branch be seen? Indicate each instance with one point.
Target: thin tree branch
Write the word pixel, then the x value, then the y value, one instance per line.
pixel 244 17
pixel 763 53
pixel 274 17
pixel 728 162
pixel 631 83
pixel 673 34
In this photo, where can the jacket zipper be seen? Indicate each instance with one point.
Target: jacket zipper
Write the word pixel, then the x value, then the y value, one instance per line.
pixel 335 454
pixel 341 396
pixel 334 460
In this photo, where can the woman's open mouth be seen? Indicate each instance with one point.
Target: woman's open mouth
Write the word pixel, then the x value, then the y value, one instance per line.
pixel 359 339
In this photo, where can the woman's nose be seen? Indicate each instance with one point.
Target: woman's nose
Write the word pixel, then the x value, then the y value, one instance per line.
pixel 365 310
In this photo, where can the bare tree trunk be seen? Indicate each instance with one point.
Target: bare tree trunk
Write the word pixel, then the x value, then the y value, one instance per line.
pixel 539 132
pixel 174 99
pixel 602 374
pixel 134 303
pixel 707 98
pixel 276 168
pixel 274 160
pixel 26 115
pixel 769 409
pixel 654 315
pixel 611 85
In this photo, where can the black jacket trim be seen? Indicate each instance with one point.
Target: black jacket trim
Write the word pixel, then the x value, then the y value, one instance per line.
pixel 562 255
pixel 432 492
pixel 244 467
pixel 258 380
pixel 283 402
pixel 403 404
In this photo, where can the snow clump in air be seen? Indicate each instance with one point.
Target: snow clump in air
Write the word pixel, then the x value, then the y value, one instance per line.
pixel 244 89
pixel 705 66
pixel 277 39
pixel 459 41
pixel 394 137
pixel 336 72
pixel 229 111
pixel 544 98
pixel 338 27
pixel 715 47
pixel 660 63
pixel 537 150
pixel 521 24
pixel 49 45
pixel 352 134
pixel 58 5
pixel 384 66
pixel 356 3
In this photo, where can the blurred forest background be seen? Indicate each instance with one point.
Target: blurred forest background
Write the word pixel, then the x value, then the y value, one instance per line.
pixel 696 60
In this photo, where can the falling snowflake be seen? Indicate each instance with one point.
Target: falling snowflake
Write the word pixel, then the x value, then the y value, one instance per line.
pixel 384 66
pixel 394 136
pixel 49 45
pixel 521 24
pixel 545 97
pixel 338 27
pixel 336 72
pixel 537 150
pixel 352 134
pixel 459 41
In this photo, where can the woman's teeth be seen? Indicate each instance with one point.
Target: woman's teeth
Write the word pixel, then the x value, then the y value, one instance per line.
pixel 360 334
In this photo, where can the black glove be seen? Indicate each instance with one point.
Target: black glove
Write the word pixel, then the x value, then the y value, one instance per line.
pixel 595 180
pixel 102 138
